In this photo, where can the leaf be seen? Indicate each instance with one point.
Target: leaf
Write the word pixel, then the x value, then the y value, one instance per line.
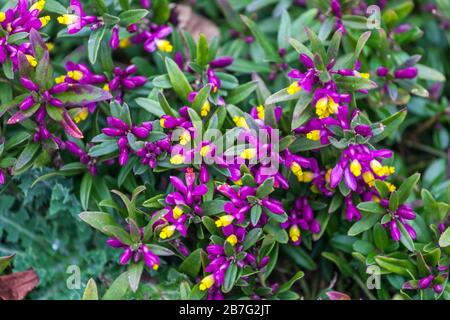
pixel 16 286
pixel 382 188
pixel 402 267
pixel 230 278
pixel 261 39
pixel 95 39
pixel 27 155
pixel 210 225
pixel 299 256
pixel 192 264
pixel 284 30
pixel 134 275
pixel 299 110
pixel 82 95
pixel 389 125
pixel 428 73
pixel 161 11
pixel 300 47
pixel 444 239
pixel 98 219
pixel 371 207
pixel 333 48
pixel 118 288
pixel 91 291
pixel 132 16
pixel 160 250
pixel 201 98
pixel 255 214
pixel 202 51
pixel 317 47
pixel 367 221
pixel 406 239
pixel 178 80
pixel 354 83
pixel 251 238
pixel 85 190
pixel 288 284
pixel 407 187
pixel 5 262
pixel 55 7
pixel 241 92
pixel 265 188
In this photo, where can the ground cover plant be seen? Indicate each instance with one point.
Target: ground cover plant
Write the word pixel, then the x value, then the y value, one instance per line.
pixel 251 149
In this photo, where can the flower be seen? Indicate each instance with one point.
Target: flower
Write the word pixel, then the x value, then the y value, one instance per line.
pixel 123 80
pixel 150 258
pixel 76 19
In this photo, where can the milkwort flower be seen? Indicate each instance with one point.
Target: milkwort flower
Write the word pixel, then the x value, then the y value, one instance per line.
pixel 136 252
pixel 80 73
pixel 119 129
pixel 88 161
pixel 76 19
pixel 435 279
pixel 403 214
pixel 123 80
pixel 360 166
pixel 21 18
pixel 183 204
pixel 301 217
pixel 153 37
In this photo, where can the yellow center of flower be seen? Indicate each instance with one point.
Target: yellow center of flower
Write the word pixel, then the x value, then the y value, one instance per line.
pixel 302 176
pixel 294 233
pixel 82 115
pixel 390 186
pixel 240 122
pixel 177 212
pixel 365 75
pixel 167 232
pixel 106 87
pixel 206 283
pixel 232 240
pixel 326 106
pixel 355 168
pixel 328 175
pixel 260 111
pixel 369 178
pixel 164 45
pixel 44 20
pixel 205 109
pixel 75 75
pixel 124 43
pixel 177 159
pixel 313 135
pixel 248 154
pixel 2 16
pixel 293 88
pixel 224 221
pixel 162 122
pixel 50 46
pixel 60 79
pixel 205 150
pixel 38 5
pixel 381 170
pixel 31 60
pixel 68 19
pixel 238 182
pixel 185 137
pixel 155 266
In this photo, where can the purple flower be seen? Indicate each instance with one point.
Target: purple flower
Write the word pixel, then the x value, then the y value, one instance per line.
pixel 406 73
pixel 221 62
pixel 77 18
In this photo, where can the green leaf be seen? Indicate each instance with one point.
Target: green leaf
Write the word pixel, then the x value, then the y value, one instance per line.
pixel 95 39
pixel 82 95
pixel 333 48
pixel 5 262
pixel 91 291
pixel 132 16
pixel 265 188
pixel 354 83
pixel 27 155
pixel 393 201
pixel 444 239
pixel 402 267
pixel 192 264
pixel 406 239
pixel 151 106
pixel 262 40
pixel 300 47
pixel 284 30
pixel 389 125
pixel 382 188
pixel 317 47
pixel 288 284
pixel 210 225
pixel 161 11
pixel 54 6
pixel 118 288
pixel 98 219
pixel 201 98
pixel 230 278
pixel 178 80
pixel 299 256
pixel 298 117
pixel 134 274
pixel 255 214
pixel 251 238
pixel 85 190
pixel 407 187
pixel 241 92
pixel 367 221
pixel 202 51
